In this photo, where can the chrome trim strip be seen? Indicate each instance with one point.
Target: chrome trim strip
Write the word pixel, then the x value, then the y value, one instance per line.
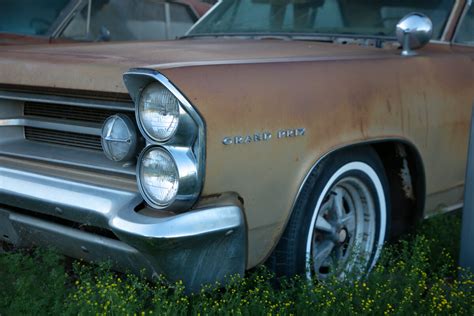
pixel 446 209
pixel 203 17
pixel 468 5
pixel 97 104
pixel 453 207
pixel 72 157
pixel 54 124
pixel 252 61
pixel 450 21
pixel 440 42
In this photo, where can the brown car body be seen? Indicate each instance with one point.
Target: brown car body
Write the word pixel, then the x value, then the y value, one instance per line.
pixel 342 95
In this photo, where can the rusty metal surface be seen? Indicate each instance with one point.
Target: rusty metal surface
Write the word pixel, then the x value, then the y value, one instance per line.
pixel 424 100
pixel 340 94
pixel 100 67
pixel 17 39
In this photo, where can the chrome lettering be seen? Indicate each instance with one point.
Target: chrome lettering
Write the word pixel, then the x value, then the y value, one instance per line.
pixel 300 131
pixel 238 140
pixel 293 132
pixel 227 141
pixel 265 136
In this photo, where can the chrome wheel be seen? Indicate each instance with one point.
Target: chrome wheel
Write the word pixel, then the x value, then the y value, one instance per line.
pixel 340 220
pixel 345 228
pixel 348 223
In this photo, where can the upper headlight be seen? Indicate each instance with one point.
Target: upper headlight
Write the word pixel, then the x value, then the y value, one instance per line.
pixel 158 112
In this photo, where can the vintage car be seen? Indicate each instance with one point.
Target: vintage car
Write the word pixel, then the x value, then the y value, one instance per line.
pixel 299 133
pixel 62 21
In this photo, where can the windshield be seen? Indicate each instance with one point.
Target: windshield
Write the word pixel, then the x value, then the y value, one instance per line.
pixel 305 17
pixel 29 17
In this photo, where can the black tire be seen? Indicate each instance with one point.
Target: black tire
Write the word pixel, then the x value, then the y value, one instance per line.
pixel 360 167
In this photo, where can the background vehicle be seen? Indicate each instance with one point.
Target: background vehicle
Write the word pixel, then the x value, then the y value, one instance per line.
pixel 97 20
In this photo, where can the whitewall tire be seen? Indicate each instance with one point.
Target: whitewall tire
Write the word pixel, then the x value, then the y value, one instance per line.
pixel 340 220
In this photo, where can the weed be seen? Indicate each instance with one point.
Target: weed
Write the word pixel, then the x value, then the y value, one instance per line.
pixel 418 275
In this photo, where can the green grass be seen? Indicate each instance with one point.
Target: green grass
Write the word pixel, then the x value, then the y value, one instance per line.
pixel 416 276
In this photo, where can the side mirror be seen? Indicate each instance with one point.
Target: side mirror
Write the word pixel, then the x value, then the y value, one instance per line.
pixel 414 31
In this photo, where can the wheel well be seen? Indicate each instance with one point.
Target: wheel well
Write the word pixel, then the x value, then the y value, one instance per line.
pixel 406 177
pixel 404 169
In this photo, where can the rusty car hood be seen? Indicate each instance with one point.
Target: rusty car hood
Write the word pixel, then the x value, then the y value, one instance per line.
pixel 99 67
pixel 19 39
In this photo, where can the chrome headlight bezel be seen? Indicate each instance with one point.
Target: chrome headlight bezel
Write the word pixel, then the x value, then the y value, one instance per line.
pixel 188 179
pixel 186 146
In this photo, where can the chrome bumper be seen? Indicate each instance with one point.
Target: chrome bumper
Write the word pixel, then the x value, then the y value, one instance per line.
pixel 200 246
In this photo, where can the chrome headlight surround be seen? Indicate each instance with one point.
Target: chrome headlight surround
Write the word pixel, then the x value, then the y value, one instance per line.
pixel 186 146
pixel 185 164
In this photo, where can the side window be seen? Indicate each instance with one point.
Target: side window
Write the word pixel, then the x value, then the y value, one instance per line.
pixel 181 19
pixel 131 20
pixel 465 32
pixel 76 28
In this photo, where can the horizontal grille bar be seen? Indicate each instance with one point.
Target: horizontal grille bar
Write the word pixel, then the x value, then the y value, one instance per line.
pixel 48 92
pixel 69 112
pixel 63 138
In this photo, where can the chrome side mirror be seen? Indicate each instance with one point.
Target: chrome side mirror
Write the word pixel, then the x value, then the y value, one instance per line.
pixel 414 31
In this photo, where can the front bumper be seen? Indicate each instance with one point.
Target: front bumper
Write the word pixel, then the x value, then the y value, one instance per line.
pixel 95 222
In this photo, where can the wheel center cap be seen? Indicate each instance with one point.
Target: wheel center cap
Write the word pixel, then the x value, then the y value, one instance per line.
pixel 342 235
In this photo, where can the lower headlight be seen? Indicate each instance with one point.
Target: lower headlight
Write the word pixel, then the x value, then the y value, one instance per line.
pixel 158 177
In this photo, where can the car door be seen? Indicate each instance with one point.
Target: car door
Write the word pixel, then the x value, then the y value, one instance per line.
pixel 448 136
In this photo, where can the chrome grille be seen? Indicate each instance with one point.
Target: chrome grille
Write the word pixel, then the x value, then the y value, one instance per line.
pixel 63 138
pixel 33 126
pixel 69 112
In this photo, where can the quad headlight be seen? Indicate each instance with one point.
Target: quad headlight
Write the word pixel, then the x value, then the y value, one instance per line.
pixel 158 177
pixel 158 112
pixel 170 169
